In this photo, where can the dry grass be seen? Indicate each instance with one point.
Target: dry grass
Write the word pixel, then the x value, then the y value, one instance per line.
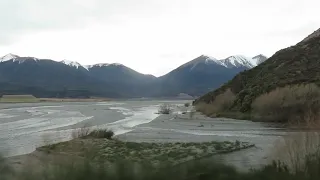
pixel 18 98
pixel 294 103
pixel 300 149
pixel 221 103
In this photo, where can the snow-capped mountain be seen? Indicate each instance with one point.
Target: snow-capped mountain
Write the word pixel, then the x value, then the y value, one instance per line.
pixel 260 58
pixel 195 78
pixel 16 58
pixel 205 73
pixel 71 63
pixel 104 65
pixel 236 61
pixel 8 57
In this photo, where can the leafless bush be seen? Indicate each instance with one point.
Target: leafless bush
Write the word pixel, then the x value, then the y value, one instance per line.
pixel 165 109
pixel 221 103
pixel 81 132
pixel 289 103
pixel 300 148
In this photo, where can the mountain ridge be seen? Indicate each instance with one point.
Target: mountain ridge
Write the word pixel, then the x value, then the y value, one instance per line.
pixel 204 74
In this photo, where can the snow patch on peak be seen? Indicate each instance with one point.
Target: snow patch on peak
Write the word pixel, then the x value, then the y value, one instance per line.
pixel 101 65
pixel 87 67
pixel 240 60
pixel 106 64
pixel 71 63
pixel 116 64
pixel 8 57
pixel 260 58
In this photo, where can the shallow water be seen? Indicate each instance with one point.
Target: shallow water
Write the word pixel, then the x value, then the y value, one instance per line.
pixel 23 127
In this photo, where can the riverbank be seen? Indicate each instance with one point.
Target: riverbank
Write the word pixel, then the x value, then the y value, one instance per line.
pixel 27 126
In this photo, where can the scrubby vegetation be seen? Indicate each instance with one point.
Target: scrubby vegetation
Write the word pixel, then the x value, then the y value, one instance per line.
pixel 186 104
pixel 294 104
pixel 165 109
pixel 295 65
pixel 115 150
pixel 101 133
pixel 197 170
pixel 290 103
pixel 87 132
pixel 222 103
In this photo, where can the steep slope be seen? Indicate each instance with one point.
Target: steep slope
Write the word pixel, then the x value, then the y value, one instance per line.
pixel 293 65
pixel 202 75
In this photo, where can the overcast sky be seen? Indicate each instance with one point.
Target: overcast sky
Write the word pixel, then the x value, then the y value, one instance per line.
pixel 152 36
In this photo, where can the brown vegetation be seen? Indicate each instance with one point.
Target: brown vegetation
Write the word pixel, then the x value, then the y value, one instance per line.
pixel 222 103
pixel 292 104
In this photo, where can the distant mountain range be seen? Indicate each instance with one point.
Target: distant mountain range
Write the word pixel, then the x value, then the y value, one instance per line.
pixel 48 78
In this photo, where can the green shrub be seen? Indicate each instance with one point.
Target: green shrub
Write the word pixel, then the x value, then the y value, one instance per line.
pixel 186 104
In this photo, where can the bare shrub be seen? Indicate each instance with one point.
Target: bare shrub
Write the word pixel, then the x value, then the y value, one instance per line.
pixel 299 149
pixel 221 103
pixel 165 109
pixel 289 103
pixel 81 132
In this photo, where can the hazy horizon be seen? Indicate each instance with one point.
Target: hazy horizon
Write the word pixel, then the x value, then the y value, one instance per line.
pixel 154 36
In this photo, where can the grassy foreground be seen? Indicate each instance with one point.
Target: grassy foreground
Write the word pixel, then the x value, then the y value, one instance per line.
pixel 125 170
pixel 97 156
pixel 114 150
